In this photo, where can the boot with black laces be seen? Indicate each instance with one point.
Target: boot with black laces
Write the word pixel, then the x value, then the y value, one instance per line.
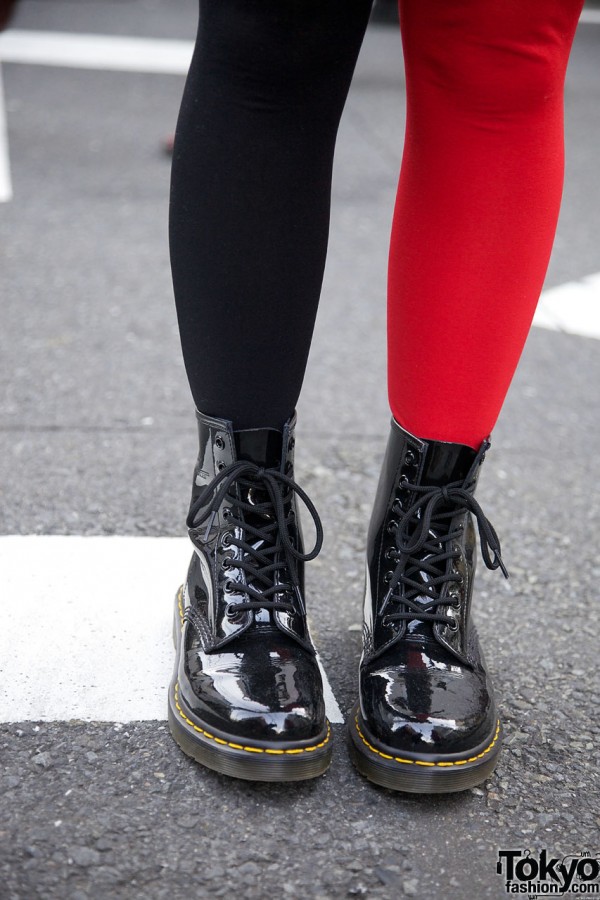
pixel 426 721
pixel 247 697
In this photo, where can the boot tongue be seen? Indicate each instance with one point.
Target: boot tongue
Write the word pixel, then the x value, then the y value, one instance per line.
pixel 445 462
pixel 261 446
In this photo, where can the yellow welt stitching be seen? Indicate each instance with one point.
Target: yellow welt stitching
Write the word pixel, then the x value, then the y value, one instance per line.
pixel 179 604
pixel 419 762
pixel 211 737
pixel 397 758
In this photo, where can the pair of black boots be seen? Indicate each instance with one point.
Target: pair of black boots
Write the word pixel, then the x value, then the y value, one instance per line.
pixel 247 696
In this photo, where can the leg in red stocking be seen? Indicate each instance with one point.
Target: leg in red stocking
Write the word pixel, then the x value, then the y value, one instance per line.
pixel 475 217
pixel 477 204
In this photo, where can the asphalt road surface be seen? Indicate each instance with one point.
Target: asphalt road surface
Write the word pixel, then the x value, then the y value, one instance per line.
pixel 98 439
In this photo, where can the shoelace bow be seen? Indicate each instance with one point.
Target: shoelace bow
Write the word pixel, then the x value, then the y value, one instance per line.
pixel 261 564
pixel 421 548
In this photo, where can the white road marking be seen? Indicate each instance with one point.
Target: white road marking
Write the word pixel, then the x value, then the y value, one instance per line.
pixel 96 51
pixel 114 52
pixel 573 308
pixel 85 627
pixel 332 708
pixel 590 17
pixel 5 179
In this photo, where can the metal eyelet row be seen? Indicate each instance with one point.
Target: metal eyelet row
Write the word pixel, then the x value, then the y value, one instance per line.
pixel 220 445
pixel 398 507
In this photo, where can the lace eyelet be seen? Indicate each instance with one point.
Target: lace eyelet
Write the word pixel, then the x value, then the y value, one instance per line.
pixel 220 465
pixel 392 526
pixel 409 458
pixel 219 443
pixel 454 591
pixel 229 586
pixel 390 553
pixel 233 614
pixel 397 506
pixel 403 481
pixel 226 539
pixel 388 576
pixel 386 622
pixel 453 627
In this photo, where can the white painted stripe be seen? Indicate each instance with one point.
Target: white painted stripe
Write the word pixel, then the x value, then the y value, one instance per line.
pixel 96 51
pixel 85 627
pixel 590 17
pixel 114 52
pixel 573 308
pixel 334 713
pixel 5 179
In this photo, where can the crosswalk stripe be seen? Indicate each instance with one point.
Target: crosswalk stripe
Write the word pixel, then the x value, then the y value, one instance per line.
pixel 85 627
pixel 96 51
pixel 5 177
pixel 117 52
pixel 573 308
pixel 590 17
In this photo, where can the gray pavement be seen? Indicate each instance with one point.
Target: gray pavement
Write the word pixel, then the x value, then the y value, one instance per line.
pixel 98 437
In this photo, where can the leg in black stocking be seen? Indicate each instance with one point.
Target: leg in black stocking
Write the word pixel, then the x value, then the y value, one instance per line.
pixel 248 229
pixel 250 197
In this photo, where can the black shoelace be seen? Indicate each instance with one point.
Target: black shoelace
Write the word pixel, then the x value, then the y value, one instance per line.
pixel 424 547
pixel 269 556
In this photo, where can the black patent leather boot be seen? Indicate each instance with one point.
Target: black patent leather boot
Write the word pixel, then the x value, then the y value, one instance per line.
pixel 247 697
pixel 426 721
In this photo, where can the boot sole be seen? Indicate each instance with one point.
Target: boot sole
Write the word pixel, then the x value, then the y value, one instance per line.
pixel 419 773
pixel 229 754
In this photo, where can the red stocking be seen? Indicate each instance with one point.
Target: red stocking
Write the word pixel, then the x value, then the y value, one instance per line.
pixel 477 204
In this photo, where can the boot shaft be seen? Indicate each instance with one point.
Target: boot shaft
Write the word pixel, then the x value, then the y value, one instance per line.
pixel 411 466
pixel 219 445
pixel 237 530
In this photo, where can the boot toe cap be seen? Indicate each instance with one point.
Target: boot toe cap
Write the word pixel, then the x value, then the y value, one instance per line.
pixel 277 698
pixel 431 711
